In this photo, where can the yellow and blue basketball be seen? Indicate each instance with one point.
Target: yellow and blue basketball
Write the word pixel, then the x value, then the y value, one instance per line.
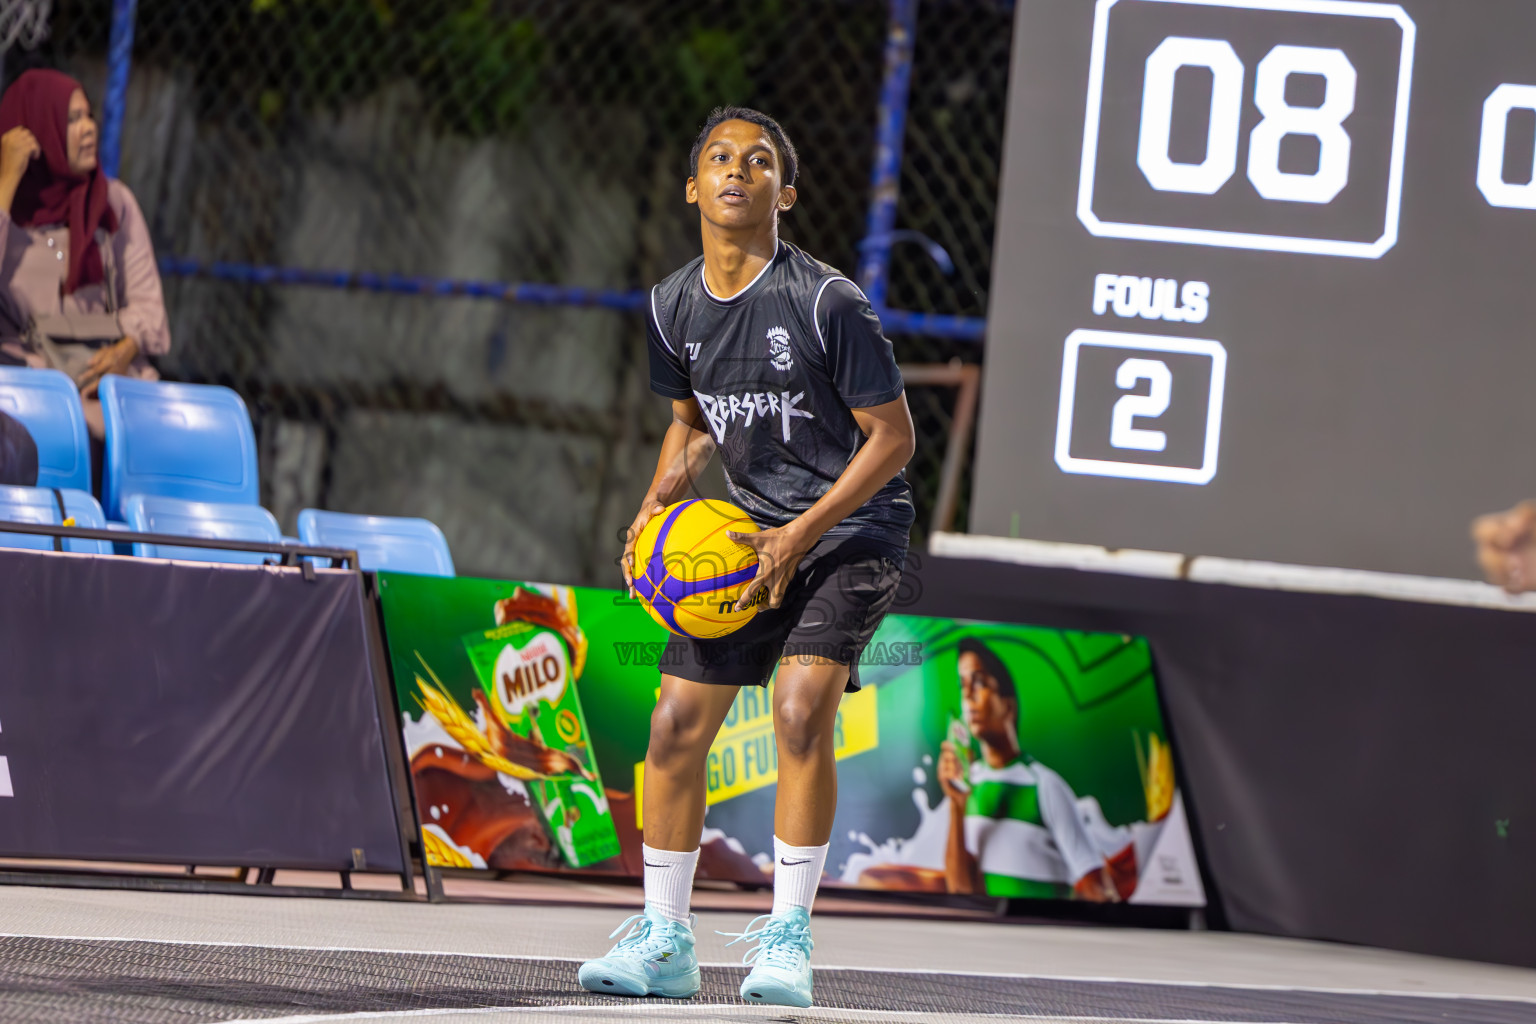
pixel 689 573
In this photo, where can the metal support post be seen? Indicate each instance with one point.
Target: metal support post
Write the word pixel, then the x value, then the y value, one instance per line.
pixel 115 102
pixel 891 130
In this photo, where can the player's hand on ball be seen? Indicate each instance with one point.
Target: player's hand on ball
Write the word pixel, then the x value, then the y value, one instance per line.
pixel 779 552
pixel 648 510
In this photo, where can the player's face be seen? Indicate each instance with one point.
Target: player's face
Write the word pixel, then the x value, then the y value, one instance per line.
pixel 80 137
pixel 738 183
pixel 982 703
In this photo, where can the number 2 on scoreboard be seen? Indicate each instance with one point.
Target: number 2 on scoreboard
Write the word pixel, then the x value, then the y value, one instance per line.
pixel 1122 432
pixel 1105 426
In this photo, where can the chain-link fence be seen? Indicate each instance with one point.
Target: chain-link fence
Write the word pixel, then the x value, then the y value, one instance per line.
pixel 391 147
pixel 953 150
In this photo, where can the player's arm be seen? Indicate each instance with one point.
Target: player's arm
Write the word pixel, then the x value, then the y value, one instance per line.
pixel 685 451
pixel 890 442
pixel 888 446
pixel 862 368
pixel 686 448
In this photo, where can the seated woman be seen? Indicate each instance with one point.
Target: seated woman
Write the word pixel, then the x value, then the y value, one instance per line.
pixel 79 289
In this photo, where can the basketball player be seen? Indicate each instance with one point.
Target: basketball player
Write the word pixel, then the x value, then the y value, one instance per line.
pixel 776 360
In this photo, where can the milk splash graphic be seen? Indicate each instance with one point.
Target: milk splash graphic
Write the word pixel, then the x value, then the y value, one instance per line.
pixel 925 848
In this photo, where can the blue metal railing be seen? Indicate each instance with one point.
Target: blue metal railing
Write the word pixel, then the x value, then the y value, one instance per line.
pixel 932 325
pixel 404 284
pixel 895 321
pixel 874 250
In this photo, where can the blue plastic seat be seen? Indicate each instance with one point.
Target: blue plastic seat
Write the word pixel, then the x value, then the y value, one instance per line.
pixel 47 403
pixel 38 505
pixel 390 543
pixel 151 513
pixel 189 441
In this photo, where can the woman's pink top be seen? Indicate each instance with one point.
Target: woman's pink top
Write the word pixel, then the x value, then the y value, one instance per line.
pixel 36 262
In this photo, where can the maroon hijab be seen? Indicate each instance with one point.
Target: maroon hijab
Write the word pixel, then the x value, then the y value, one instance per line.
pixel 49 193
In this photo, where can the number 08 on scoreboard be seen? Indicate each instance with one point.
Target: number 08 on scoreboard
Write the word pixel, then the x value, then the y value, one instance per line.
pixel 1297 234
pixel 1281 79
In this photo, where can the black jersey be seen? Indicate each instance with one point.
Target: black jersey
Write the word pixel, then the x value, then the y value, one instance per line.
pixel 776 369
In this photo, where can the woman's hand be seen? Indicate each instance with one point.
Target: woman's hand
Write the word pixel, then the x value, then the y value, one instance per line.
pixel 779 552
pixel 649 509
pixel 114 358
pixel 18 147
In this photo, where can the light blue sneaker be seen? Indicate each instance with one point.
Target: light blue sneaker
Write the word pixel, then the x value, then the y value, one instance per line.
pixel 781 960
pixel 654 958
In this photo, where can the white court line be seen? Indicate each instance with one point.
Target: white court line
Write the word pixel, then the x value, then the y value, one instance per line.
pixel 371 1015
pixel 1099 979
pixel 656 1009
pixel 1256 986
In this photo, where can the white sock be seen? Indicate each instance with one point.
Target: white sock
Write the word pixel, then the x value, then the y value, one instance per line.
pixel 669 881
pixel 796 874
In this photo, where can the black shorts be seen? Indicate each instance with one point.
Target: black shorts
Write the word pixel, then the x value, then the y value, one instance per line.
pixel 841 591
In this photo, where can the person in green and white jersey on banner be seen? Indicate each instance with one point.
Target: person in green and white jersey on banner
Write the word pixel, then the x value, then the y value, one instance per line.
pixel 1014 830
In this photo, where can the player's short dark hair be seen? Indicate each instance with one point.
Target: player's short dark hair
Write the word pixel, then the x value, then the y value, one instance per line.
pixel 789 160
pixel 993 665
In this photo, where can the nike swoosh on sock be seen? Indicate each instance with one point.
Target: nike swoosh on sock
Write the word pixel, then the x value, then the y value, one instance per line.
pixel 792 863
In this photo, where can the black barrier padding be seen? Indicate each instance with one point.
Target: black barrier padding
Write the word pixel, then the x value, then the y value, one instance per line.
pixel 189 714
pixel 1358 769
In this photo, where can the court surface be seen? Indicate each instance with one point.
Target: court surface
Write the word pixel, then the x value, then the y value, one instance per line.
pixel 94 955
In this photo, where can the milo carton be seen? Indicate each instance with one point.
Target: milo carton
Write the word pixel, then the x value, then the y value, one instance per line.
pixel 526 671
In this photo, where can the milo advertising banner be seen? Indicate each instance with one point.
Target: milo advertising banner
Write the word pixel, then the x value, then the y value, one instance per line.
pixel 978 757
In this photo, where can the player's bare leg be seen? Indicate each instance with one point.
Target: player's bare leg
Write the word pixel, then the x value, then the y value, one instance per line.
pixel 684 724
pixel 655 956
pixel 805 702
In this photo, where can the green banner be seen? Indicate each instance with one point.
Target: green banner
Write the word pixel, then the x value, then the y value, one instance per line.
pixel 978 757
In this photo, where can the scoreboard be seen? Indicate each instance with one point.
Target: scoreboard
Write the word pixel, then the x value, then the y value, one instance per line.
pixel 1264 281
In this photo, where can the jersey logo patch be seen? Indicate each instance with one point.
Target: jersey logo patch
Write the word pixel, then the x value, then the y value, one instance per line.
pixel 778 349
pixel 693 349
